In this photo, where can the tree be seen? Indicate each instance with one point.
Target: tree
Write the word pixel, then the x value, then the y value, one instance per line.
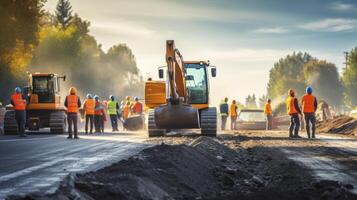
pixel 19 21
pixel 63 13
pixel 324 78
pixel 251 101
pixel 288 73
pixel 350 80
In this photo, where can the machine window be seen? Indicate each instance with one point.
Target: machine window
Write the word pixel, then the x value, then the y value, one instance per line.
pixel 196 83
pixel 40 84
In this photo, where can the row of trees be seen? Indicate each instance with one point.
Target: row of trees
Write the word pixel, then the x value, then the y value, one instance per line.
pixel 61 43
pixel 299 70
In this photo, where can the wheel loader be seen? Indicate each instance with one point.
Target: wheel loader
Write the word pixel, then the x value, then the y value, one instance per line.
pixel 181 100
pixel 44 107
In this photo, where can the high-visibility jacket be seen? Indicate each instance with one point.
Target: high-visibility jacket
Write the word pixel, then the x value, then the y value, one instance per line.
pixel 98 108
pixel 233 110
pixel 72 103
pixel 89 106
pixel 126 111
pixel 223 107
pixel 138 107
pixel 19 102
pixel 112 107
pixel 267 109
pixel 308 102
pixel 290 106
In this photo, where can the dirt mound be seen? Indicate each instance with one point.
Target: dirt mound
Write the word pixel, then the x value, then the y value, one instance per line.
pixel 204 169
pixel 341 125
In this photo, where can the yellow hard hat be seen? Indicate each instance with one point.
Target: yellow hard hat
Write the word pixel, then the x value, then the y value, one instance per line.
pixel 72 90
pixel 127 98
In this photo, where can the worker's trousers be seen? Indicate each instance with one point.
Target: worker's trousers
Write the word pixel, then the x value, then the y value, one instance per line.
pixel 294 125
pixel 269 125
pixel 233 123
pixel 72 119
pixel 89 119
pixel 114 122
pixel 20 116
pixel 224 122
pixel 310 118
pixel 98 120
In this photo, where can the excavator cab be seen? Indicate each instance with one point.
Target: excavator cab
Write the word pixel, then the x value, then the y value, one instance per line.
pixel 44 106
pixel 181 101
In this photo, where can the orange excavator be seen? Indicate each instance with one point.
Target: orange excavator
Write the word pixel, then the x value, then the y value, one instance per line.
pixel 182 100
pixel 44 107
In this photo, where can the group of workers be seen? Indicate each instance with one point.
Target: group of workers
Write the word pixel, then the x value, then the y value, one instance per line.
pixel 308 109
pixel 95 112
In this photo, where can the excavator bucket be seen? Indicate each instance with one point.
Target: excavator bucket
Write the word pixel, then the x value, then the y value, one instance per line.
pixel 180 116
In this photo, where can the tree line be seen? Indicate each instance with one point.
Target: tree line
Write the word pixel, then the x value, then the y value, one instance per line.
pixel 34 40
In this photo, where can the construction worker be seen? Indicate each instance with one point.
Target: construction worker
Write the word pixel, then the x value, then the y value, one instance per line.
pixel 89 108
pixel 269 113
pixel 293 109
pixel 309 107
pixel 113 108
pixel 20 110
pixel 233 114
pixel 224 112
pixel 126 110
pixel 72 103
pixel 137 107
pixel 99 115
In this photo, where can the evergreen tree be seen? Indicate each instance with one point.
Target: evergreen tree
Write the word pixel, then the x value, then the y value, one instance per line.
pixel 63 13
pixel 350 80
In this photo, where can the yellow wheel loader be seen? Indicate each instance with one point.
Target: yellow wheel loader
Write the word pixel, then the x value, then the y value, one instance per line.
pixel 44 106
pixel 181 101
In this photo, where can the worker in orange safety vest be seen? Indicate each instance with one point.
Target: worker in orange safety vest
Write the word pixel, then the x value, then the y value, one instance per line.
pixel 293 109
pixel 269 113
pixel 233 114
pixel 20 110
pixel 72 103
pixel 89 108
pixel 309 107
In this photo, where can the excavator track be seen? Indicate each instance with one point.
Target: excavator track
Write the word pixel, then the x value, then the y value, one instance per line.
pixel 58 122
pixel 152 129
pixel 10 124
pixel 209 122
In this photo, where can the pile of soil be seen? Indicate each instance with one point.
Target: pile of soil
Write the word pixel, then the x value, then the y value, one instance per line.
pixel 340 125
pixel 205 168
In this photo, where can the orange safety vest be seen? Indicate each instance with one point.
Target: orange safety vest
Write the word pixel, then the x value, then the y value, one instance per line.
pixel 267 109
pixel 308 103
pixel 126 111
pixel 138 108
pixel 72 103
pixel 89 106
pixel 233 110
pixel 290 106
pixel 98 108
pixel 20 104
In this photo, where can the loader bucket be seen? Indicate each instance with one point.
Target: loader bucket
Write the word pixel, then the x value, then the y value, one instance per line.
pixel 134 123
pixel 180 116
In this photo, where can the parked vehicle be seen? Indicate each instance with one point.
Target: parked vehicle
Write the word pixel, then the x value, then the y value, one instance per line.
pixel 251 119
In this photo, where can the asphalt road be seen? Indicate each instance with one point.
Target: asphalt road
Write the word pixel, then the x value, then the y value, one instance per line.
pixel 40 162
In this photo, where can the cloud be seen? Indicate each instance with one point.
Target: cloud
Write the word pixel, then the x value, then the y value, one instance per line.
pixel 339 6
pixel 331 25
pixel 274 30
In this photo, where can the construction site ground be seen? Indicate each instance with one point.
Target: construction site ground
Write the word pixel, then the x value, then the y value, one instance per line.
pixel 241 164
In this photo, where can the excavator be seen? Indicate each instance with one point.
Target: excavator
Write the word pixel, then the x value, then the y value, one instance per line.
pixel 44 107
pixel 182 100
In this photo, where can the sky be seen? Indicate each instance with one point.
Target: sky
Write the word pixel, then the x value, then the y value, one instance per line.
pixel 243 38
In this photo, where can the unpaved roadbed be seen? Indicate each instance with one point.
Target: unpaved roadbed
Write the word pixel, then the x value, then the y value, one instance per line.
pixel 228 167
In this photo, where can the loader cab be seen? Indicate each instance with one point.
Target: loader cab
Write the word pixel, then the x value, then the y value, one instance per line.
pixel 197 81
pixel 45 87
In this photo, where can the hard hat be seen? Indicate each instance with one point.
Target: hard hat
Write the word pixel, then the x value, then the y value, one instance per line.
pixel 72 90
pixel 291 92
pixel 89 96
pixel 269 100
pixel 226 99
pixel 18 90
pixel 309 89
pixel 127 98
pixel 136 99
pixel 96 97
pixel 111 97
pixel 234 101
